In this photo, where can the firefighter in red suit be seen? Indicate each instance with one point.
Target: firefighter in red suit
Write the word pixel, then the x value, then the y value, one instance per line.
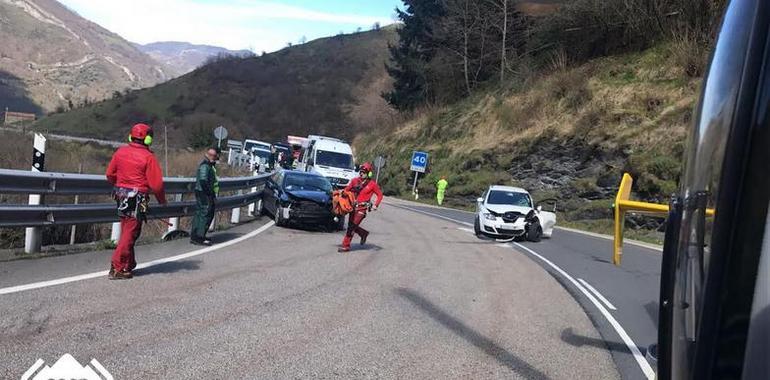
pixel 135 174
pixel 364 187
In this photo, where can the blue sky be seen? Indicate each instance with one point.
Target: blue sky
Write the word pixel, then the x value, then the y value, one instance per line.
pixel 235 24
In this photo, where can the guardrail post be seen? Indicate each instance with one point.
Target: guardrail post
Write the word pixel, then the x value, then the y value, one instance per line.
pixel 174 222
pixel 115 234
pixel 255 207
pixel 235 217
pixel 74 228
pixel 33 238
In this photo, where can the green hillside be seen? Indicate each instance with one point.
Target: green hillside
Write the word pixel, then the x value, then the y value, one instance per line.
pixel 568 134
pixel 329 86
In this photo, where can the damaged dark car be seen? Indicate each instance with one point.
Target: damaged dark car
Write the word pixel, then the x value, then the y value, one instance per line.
pixel 299 198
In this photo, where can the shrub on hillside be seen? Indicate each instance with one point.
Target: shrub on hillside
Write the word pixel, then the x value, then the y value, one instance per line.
pixel 584 29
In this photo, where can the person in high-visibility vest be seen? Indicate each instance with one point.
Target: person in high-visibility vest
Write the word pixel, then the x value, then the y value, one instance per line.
pixel 206 191
pixel 441 190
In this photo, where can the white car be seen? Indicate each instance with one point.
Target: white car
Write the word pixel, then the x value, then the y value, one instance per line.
pixel 505 212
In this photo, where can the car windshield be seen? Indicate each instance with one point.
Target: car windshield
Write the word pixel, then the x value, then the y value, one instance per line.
pixel 334 159
pixel 250 145
pixel 307 183
pixel 498 197
pixel 262 154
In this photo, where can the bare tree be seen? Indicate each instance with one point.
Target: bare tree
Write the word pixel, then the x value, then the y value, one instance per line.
pixel 456 35
pixel 501 6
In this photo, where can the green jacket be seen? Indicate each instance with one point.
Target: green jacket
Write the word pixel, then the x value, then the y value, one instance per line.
pixel 206 180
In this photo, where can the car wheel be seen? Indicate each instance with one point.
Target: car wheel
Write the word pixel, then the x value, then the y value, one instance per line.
pixel 477 227
pixel 535 233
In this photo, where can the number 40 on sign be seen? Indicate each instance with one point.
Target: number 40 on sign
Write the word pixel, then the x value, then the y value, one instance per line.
pixel 419 162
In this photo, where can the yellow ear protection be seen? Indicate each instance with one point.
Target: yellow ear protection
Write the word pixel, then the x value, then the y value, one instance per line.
pixel 147 140
pixel 371 174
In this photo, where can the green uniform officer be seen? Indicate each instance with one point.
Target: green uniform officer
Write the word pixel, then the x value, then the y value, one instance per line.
pixel 441 190
pixel 206 191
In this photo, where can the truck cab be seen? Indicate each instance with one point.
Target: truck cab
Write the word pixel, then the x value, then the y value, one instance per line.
pixel 329 157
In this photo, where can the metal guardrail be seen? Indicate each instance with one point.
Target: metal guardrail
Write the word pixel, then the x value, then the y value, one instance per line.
pixel 44 215
pixel 26 182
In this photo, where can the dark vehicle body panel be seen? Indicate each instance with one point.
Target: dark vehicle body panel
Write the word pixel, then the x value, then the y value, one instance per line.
pixel 306 207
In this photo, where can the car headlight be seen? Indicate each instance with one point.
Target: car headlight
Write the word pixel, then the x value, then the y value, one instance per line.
pixel 489 216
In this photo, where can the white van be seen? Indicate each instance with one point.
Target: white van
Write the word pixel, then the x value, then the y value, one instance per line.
pixel 329 157
pixel 249 145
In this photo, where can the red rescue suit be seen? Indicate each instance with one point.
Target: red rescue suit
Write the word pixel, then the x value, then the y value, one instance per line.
pixel 134 172
pixel 364 190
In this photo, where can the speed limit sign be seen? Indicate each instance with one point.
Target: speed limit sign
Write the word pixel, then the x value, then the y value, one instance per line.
pixel 419 162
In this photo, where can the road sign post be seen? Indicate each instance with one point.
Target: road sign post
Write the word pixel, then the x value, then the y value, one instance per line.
pixel 220 133
pixel 419 165
pixel 379 162
pixel 33 238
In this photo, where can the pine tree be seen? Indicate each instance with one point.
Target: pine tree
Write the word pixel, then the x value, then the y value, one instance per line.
pixel 410 57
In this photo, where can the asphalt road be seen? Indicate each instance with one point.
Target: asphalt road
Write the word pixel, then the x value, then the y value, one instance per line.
pixel 632 289
pixel 424 299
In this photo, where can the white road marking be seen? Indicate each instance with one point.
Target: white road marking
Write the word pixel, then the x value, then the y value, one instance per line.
pixel 87 276
pixel 643 364
pixel 435 215
pixel 597 294
pixel 468 230
pixel 637 243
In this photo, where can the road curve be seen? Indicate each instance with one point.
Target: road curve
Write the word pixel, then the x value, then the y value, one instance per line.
pixel 621 301
pixel 422 300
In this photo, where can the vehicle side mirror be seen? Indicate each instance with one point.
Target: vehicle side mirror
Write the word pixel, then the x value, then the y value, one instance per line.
pixel 480 200
pixel 539 208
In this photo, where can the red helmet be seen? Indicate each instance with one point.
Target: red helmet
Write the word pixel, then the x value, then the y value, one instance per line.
pixel 141 132
pixel 366 167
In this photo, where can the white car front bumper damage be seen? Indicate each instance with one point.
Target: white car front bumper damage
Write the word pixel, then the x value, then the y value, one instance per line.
pixel 500 228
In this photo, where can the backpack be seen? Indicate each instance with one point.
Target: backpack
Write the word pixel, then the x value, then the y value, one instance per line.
pixel 343 202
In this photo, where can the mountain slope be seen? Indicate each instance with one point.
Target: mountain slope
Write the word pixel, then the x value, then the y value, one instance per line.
pixel 50 56
pixel 328 86
pixel 185 57
pixel 569 134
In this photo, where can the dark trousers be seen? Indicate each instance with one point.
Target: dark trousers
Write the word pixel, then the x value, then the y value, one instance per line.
pixel 124 258
pixel 203 215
